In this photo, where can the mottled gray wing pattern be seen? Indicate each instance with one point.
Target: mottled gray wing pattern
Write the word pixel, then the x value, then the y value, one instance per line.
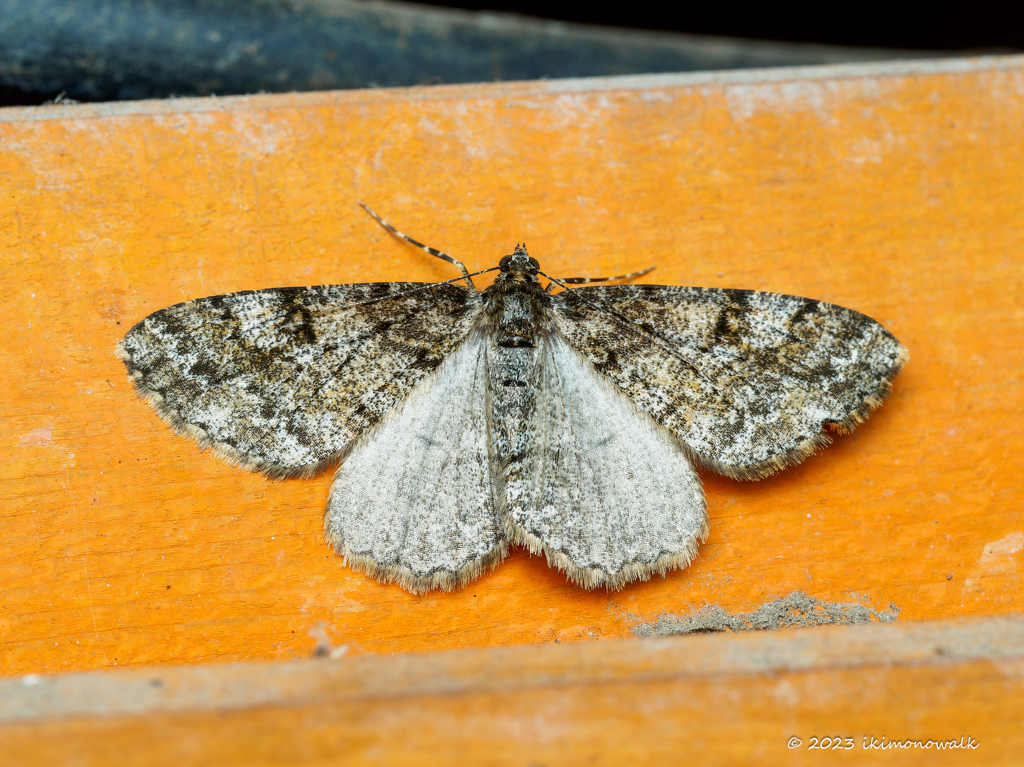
pixel 282 380
pixel 413 501
pixel 612 497
pixel 747 380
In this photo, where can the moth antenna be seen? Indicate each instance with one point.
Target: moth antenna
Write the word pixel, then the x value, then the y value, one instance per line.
pixel 432 251
pixel 586 280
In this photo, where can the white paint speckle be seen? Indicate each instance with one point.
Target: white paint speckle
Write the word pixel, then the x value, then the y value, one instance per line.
pixel 41 437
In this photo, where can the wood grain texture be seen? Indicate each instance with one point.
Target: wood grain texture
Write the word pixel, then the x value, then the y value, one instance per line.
pixel 896 190
pixel 659 722
pixel 773 697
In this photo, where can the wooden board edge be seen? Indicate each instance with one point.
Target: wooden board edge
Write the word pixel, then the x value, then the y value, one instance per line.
pixel 521 89
pixel 235 686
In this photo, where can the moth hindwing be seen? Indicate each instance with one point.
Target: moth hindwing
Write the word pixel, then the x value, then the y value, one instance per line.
pixel 465 421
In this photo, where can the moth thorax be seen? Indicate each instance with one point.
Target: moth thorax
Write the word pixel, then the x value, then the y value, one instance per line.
pixel 515 321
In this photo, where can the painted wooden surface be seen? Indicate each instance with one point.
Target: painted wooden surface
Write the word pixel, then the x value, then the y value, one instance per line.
pixel 877 694
pixel 896 190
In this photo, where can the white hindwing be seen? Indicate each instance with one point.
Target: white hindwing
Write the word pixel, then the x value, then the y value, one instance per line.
pixel 613 497
pixel 413 501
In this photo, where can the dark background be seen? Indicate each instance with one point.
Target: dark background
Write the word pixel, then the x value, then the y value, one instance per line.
pixel 935 25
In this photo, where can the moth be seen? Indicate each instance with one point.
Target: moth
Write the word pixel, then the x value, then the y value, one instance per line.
pixel 464 421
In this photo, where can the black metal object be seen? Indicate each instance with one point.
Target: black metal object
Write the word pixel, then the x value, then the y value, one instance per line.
pixel 102 50
pixel 989 26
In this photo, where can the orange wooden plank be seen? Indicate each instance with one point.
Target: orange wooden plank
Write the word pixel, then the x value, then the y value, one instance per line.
pixel 776 697
pixel 897 190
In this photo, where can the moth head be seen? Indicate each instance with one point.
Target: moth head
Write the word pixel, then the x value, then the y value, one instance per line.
pixel 519 262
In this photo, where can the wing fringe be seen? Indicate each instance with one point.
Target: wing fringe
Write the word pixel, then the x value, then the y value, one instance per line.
pixel 811 445
pixel 443 580
pixel 591 577
pixel 228 453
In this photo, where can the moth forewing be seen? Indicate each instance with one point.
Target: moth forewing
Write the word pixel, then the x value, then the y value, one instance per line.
pixel 747 380
pixel 282 380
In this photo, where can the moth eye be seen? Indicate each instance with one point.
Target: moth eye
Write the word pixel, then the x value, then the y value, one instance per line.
pixel 503 264
pixel 534 263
